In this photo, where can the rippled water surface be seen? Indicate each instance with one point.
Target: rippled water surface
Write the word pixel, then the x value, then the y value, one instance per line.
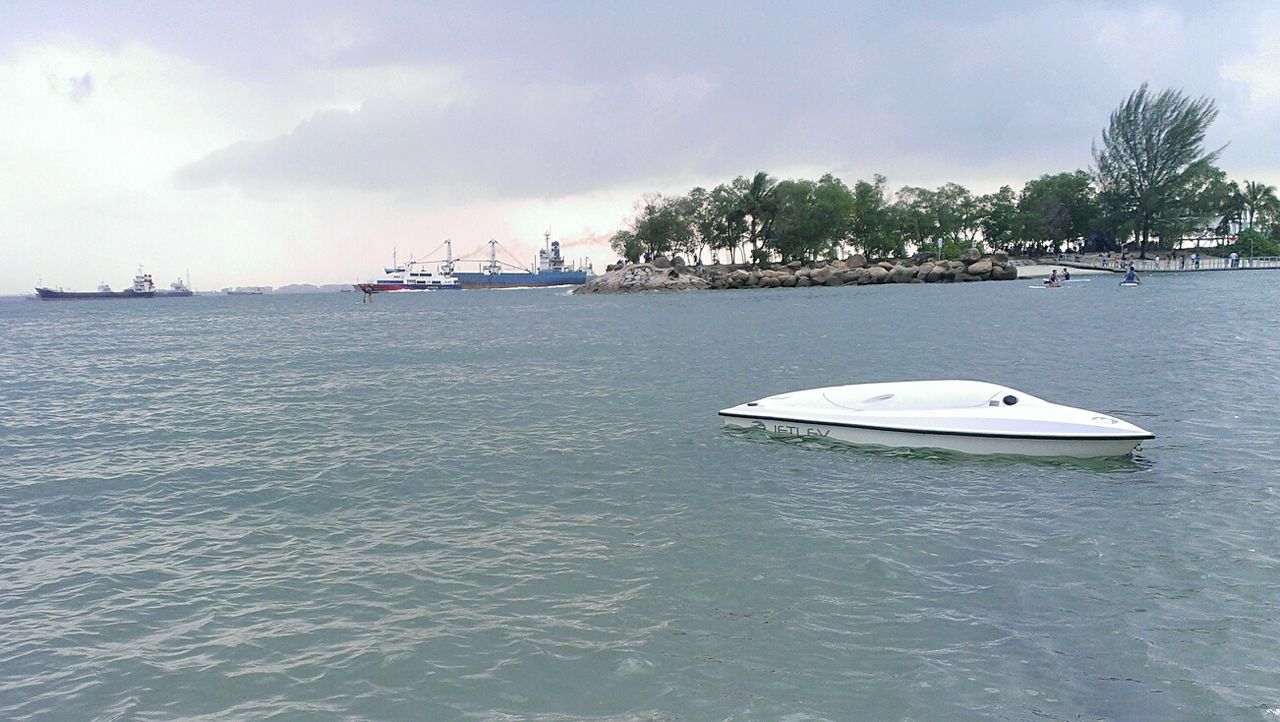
pixel 521 504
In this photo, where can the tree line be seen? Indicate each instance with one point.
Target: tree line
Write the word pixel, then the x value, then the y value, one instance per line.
pixel 1152 183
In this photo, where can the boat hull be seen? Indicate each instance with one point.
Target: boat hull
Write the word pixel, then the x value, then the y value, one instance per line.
pixel 974 444
pixel 521 280
pixel 49 294
pixel 399 287
pixel 967 417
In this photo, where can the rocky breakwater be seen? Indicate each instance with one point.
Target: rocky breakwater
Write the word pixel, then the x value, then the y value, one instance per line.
pixel 855 270
pixel 661 275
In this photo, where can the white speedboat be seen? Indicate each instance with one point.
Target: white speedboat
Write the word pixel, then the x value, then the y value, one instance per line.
pixel 970 417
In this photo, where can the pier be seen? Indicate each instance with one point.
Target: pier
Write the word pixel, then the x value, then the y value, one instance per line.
pixel 1183 263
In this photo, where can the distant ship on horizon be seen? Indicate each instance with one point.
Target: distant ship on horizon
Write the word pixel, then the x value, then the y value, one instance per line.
pixel 177 289
pixel 256 291
pixel 143 287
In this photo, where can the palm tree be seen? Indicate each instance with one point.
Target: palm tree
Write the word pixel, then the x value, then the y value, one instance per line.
pixel 1258 199
pixel 757 202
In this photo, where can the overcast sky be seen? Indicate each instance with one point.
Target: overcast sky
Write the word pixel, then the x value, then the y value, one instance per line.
pixel 260 143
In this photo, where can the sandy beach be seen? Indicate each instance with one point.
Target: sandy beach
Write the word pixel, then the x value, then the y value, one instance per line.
pixel 1043 271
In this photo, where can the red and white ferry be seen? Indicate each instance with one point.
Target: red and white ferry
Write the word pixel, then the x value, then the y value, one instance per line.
pixel 411 276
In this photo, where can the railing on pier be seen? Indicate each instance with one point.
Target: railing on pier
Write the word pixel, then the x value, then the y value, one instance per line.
pixel 1181 263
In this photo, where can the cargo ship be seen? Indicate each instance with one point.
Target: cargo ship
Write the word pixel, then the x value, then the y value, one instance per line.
pixel 550 270
pixel 143 287
pixel 177 289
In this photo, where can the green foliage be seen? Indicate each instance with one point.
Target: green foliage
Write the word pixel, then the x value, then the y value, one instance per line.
pixel 757 205
pixel 1151 179
pixel 1152 159
pixel 951 213
pixel 661 225
pixel 1259 203
pixel 1253 243
pixel 1054 210
pixel 952 248
pixel 730 227
pixel 871 223
pixel 626 245
pixel 811 220
pixel 1000 220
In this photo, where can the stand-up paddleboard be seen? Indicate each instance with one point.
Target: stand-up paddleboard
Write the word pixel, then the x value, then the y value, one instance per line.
pixel 1124 284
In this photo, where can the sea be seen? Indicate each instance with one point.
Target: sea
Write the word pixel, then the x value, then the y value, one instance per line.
pixel 522 505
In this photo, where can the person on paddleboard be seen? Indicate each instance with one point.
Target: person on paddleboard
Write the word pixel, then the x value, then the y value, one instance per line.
pixel 1052 280
pixel 1130 276
pixel 1066 274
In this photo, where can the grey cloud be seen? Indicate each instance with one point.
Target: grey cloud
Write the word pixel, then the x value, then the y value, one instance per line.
pixel 81 87
pixel 593 98
pixel 76 88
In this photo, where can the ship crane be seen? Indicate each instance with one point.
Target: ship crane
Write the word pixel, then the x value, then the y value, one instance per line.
pixel 493 265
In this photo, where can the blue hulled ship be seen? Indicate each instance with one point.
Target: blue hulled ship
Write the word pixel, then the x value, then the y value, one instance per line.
pixel 551 270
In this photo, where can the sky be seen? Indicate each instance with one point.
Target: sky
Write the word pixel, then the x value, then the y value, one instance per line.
pixel 267 143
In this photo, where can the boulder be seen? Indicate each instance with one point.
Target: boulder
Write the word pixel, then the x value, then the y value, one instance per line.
pixel 857 260
pixel 935 274
pixel 803 282
pixel 1004 273
pixel 835 279
pixel 885 265
pixel 980 268
pixel 661 261
pixel 923 270
pixel 1000 258
pixel 902 274
pixel 877 274
pixel 819 275
pixel 642 277
pixel 795 265
pixel 970 255
pixel 789 282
